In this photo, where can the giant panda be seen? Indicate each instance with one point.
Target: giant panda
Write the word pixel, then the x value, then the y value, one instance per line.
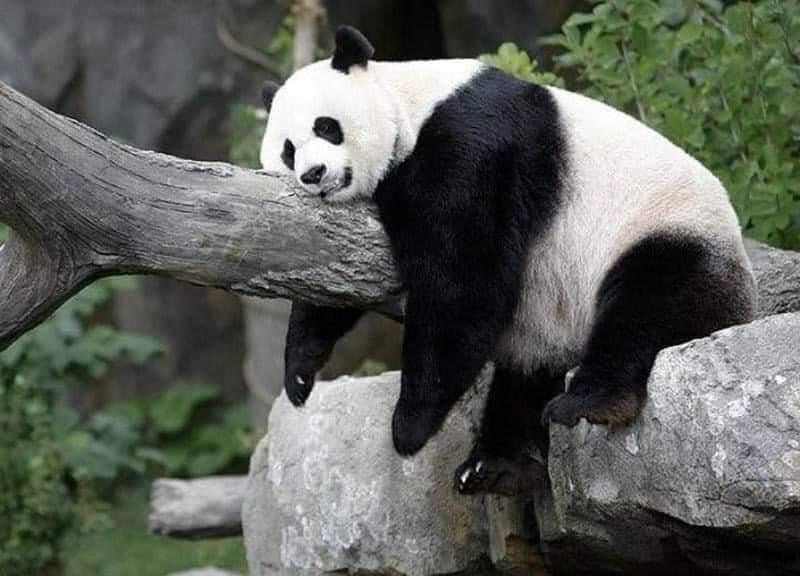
pixel 531 226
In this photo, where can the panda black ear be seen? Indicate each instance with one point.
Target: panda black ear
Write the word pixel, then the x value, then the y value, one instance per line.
pixel 268 90
pixel 352 49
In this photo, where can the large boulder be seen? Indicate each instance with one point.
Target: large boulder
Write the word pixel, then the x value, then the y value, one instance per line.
pixel 707 478
pixel 327 491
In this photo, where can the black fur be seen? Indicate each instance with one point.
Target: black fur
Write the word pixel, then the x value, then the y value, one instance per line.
pixel 329 129
pixel 287 154
pixel 268 90
pixel 484 181
pixel 352 49
pixel 313 330
pixel 509 454
pixel 460 212
pixel 667 289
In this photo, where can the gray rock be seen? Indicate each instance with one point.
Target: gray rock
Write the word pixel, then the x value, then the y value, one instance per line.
pixel 327 491
pixel 708 476
pixel 777 274
pixel 513 537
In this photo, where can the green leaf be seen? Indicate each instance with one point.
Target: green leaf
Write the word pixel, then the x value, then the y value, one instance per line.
pixel 171 411
pixel 689 33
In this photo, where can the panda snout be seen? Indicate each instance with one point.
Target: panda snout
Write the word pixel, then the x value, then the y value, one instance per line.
pixel 313 175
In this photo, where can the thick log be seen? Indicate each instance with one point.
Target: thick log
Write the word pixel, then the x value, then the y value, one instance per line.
pixel 202 508
pixel 82 206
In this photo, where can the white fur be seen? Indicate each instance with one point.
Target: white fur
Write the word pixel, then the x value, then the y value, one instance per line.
pixel 625 181
pixel 380 109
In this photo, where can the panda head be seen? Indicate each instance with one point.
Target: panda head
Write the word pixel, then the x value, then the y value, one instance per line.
pixel 332 124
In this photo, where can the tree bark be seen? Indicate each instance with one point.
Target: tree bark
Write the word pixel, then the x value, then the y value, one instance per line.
pixel 201 508
pixel 81 206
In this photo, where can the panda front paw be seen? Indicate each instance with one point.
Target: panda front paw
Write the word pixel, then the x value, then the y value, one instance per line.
pixel 600 406
pixel 413 426
pixel 298 384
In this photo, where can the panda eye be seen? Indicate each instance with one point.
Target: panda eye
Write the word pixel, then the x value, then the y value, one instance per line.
pixel 328 129
pixel 288 154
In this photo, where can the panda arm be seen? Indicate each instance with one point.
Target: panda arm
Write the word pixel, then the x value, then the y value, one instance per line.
pixel 313 331
pixel 451 242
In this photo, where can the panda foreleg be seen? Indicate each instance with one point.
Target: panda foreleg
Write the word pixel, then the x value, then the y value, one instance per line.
pixel 313 331
pixel 509 455
pixel 445 346
pixel 667 289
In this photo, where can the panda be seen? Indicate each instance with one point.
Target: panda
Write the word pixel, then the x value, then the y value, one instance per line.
pixel 531 226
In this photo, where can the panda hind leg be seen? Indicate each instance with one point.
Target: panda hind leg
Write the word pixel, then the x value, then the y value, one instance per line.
pixel 510 452
pixel 665 290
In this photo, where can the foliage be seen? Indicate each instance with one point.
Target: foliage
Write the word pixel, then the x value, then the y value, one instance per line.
pixel 127 549
pixel 722 84
pixel 280 46
pixel 516 62
pixel 66 352
pixel 245 129
pixel 185 431
pixel 34 504
pixel 246 123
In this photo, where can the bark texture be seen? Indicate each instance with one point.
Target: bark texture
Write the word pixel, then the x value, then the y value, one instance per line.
pixel 82 206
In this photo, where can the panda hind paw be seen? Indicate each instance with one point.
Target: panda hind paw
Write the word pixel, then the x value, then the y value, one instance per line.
pixel 479 475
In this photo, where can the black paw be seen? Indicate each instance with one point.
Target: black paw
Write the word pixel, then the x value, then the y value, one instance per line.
pixel 509 477
pixel 298 385
pixel 412 427
pixel 598 407
pixel 478 475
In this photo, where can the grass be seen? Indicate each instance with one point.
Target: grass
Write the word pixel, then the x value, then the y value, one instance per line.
pixel 127 549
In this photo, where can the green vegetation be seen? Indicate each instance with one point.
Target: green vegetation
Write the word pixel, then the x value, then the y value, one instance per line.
pixel 60 470
pixel 126 549
pixel 33 497
pixel 722 84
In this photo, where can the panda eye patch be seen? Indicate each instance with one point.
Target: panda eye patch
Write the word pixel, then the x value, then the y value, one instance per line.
pixel 288 154
pixel 328 129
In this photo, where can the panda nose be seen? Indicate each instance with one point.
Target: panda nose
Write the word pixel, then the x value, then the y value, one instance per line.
pixel 313 175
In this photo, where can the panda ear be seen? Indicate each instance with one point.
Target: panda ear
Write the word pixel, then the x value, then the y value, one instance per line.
pixel 268 90
pixel 352 49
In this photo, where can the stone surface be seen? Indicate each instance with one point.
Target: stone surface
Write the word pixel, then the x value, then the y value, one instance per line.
pixel 709 475
pixel 513 536
pixel 707 480
pixel 777 274
pixel 327 491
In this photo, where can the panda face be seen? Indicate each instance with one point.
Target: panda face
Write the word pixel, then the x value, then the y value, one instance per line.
pixel 334 131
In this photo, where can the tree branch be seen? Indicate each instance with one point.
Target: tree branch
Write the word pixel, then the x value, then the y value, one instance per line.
pixel 82 206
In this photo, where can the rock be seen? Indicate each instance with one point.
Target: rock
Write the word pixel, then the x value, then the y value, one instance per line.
pixel 327 491
pixel 777 274
pixel 708 477
pixel 513 536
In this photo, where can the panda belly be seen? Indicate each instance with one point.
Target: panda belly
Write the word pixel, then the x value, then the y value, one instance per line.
pixel 622 184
